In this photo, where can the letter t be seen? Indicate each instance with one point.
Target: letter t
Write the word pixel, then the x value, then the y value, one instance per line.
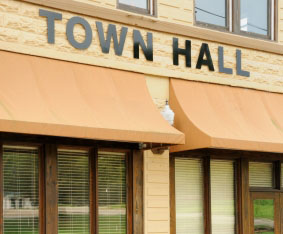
pixel 51 17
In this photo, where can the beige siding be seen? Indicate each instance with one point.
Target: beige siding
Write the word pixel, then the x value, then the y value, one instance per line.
pixel 158 88
pixel 177 11
pixel 102 3
pixel 22 30
pixel 156 193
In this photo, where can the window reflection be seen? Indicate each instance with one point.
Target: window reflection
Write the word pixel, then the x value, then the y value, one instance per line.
pixel 20 187
pixel 263 216
pixel 211 12
pixel 136 3
pixel 254 16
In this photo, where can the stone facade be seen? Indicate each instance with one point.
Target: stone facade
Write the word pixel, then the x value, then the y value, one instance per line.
pixel 23 30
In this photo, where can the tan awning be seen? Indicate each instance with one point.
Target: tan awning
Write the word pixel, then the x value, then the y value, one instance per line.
pixel 217 116
pixel 56 98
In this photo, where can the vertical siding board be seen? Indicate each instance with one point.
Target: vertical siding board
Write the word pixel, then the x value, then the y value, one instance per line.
pixel 172 196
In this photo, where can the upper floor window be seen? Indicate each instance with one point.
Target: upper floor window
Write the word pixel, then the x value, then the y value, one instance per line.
pixel 246 17
pixel 138 6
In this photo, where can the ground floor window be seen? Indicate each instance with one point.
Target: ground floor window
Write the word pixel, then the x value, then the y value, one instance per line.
pixel 204 195
pixel 222 189
pixel 72 190
pixel 112 193
pixel 189 195
pixel 225 191
pixel 20 189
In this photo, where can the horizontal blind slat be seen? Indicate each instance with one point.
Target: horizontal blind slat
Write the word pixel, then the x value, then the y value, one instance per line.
pixel 261 174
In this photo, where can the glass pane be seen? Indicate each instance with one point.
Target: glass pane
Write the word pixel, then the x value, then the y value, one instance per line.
pixel 112 193
pixel 73 192
pixel 254 16
pixel 211 12
pixel 264 216
pixel 136 3
pixel 20 202
pixel 189 196
pixel 260 174
pixel 222 197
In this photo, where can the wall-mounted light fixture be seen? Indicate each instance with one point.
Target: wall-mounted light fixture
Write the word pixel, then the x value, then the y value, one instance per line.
pixel 168 114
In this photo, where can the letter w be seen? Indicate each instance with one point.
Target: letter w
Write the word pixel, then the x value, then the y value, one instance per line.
pixel 111 33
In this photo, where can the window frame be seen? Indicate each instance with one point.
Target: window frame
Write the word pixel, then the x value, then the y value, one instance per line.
pixel 207 216
pixel 237 27
pixel 233 11
pixel 242 189
pixel 150 11
pixel 41 180
pixel 213 26
pixel 274 177
pixel 48 184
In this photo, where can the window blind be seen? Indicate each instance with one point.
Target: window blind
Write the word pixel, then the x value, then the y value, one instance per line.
pixel 261 174
pixel 189 196
pixel 222 197
pixel 112 193
pixel 20 187
pixel 73 192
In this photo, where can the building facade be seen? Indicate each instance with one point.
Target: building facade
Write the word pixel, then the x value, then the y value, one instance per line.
pixel 84 148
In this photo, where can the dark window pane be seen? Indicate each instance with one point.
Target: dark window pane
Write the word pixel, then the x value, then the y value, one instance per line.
pixel 264 216
pixel 20 185
pixel 135 3
pixel 73 192
pixel 112 194
pixel 254 16
pixel 211 12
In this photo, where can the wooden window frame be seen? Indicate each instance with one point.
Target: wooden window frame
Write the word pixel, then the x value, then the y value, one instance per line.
pixel 233 11
pixel 275 178
pixel 150 11
pixel 206 158
pixel 266 195
pixel 242 188
pixel 48 182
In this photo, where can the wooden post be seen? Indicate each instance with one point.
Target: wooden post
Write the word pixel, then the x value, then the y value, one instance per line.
pixel 137 192
pixel 243 196
pixel 207 195
pixel 51 189
pixel 1 188
pixel 93 191
pixel 41 186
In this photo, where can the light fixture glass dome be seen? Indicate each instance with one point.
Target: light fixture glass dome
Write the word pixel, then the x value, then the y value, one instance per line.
pixel 168 113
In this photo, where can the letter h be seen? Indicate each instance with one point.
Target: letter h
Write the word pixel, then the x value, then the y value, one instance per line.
pixel 177 51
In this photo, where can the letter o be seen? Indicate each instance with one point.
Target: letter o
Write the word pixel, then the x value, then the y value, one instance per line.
pixel 70 33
